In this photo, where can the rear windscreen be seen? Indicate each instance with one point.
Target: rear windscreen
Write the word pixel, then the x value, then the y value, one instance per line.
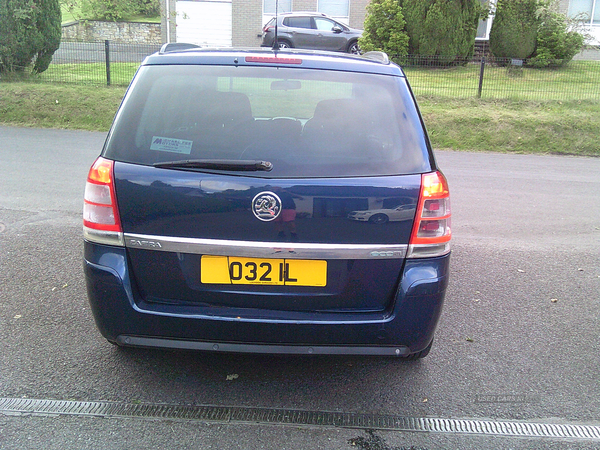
pixel 307 123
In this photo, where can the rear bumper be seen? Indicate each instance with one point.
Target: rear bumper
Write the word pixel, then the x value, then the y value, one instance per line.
pixel 122 317
pixel 140 341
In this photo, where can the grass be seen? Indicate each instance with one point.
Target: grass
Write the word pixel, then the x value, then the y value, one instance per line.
pixel 89 73
pixel 578 80
pixel 59 106
pixel 515 126
pixel 144 19
pixel 568 127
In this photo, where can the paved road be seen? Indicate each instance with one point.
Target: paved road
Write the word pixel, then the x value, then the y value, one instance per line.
pixel 518 341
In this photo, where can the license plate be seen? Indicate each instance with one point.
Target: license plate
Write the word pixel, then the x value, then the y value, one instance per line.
pixel 234 270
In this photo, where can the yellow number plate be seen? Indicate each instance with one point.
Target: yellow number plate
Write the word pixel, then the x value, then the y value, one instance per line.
pixel 291 272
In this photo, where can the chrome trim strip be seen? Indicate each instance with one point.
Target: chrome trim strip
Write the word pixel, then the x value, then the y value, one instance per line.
pixel 290 250
pixel 103 237
pixel 136 341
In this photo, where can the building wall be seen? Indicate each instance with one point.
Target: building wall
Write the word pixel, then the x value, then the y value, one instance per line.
pixel 592 52
pixel 246 23
pixel 304 5
pixel 563 6
pixel 358 11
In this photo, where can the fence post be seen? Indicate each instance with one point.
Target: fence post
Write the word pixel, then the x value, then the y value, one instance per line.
pixel 107 54
pixel 481 77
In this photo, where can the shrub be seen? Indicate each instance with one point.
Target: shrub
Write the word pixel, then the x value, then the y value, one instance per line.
pixel 30 31
pixel 557 42
pixel 113 10
pixel 149 8
pixel 442 29
pixel 384 29
pixel 514 29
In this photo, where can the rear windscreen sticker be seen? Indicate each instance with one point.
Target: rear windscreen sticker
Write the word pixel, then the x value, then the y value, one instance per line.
pixel 163 144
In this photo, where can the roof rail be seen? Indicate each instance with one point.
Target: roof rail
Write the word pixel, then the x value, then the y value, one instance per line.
pixel 176 47
pixel 379 57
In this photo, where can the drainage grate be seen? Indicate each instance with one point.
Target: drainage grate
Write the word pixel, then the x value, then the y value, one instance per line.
pixel 297 417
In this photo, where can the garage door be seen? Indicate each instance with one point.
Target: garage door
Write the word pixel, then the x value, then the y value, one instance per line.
pixel 206 23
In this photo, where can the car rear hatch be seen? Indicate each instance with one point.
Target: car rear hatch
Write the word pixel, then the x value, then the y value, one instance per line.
pixel 238 188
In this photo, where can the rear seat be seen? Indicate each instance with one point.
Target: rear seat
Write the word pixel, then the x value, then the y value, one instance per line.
pixel 336 127
pixel 269 137
pixel 223 124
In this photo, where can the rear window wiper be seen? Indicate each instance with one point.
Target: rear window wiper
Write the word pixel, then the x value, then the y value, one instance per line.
pixel 248 165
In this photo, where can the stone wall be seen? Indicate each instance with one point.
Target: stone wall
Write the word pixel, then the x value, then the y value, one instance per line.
pixel 118 32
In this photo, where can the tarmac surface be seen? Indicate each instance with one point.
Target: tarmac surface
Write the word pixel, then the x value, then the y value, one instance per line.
pixel 518 341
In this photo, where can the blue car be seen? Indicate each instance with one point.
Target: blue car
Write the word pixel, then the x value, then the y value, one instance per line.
pixel 216 217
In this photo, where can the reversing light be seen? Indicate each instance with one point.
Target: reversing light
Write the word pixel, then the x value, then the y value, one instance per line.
pixel 432 233
pixel 101 222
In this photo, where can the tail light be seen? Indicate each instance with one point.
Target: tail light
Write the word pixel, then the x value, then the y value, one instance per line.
pixel 101 222
pixel 431 232
pixel 267 28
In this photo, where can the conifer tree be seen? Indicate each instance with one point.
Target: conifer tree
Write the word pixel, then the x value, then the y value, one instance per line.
pixel 444 29
pixel 514 29
pixel 30 31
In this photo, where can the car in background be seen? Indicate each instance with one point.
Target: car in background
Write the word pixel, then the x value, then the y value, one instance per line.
pixel 381 216
pixel 314 31
pixel 215 216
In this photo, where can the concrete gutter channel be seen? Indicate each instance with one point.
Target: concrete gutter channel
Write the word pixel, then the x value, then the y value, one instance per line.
pixel 228 414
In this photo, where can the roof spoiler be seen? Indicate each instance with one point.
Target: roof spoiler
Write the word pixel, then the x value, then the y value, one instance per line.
pixel 176 47
pixel 379 57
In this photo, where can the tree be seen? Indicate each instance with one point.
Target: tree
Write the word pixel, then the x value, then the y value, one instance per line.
pixel 30 31
pixel 557 39
pixel 444 29
pixel 149 8
pixel 49 27
pixel 514 29
pixel 385 29
pixel 113 10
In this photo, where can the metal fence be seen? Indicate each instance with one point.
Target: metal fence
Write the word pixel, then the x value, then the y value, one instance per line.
pixel 107 63
pixel 96 63
pixel 503 79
